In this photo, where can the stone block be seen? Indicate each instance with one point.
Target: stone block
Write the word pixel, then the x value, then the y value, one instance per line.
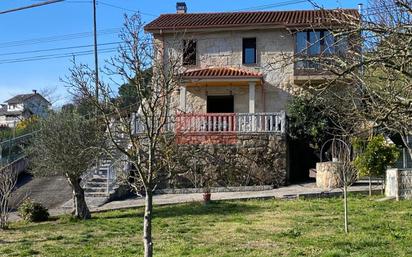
pixel 327 175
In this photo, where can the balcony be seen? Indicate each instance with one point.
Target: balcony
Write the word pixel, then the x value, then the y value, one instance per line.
pixel 221 123
pixel 314 68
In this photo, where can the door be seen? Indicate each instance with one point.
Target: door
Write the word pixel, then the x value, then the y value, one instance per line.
pixel 220 104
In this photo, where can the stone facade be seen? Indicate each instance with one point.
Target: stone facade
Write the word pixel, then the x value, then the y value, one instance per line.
pixel 254 159
pixel 275 48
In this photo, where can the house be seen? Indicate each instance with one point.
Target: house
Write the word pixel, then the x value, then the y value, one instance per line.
pixel 21 107
pixel 240 69
pixel 236 62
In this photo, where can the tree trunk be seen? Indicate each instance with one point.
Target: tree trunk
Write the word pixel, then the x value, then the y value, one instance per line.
pixel 345 206
pixel 147 224
pixel 370 186
pixel 3 211
pixel 80 208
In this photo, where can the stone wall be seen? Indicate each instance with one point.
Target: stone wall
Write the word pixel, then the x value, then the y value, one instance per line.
pixel 399 183
pixel 235 160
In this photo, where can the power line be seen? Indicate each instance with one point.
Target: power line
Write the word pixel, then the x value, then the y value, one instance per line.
pixel 269 6
pixel 57 38
pixel 31 6
pixel 126 9
pixel 56 56
pixel 57 49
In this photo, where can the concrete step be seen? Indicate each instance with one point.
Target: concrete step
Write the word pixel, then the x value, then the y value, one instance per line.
pixel 96 184
pixel 96 194
pixel 97 179
pixel 95 190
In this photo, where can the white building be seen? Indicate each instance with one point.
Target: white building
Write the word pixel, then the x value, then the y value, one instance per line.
pixel 21 107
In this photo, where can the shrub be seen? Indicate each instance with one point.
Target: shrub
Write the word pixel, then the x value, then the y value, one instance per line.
pixel 33 212
pixel 376 155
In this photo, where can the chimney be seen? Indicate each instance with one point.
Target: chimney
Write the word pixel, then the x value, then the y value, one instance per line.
pixel 34 91
pixel 181 7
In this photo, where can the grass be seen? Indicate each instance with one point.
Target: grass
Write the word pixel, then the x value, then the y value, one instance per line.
pixel 235 228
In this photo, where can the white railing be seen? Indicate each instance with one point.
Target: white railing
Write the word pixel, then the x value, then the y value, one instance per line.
pixel 221 122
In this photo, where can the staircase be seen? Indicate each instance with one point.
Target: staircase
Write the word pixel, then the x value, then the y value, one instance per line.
pixel 104 180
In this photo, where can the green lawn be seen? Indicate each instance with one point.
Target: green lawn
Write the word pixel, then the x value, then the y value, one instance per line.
pixel 238 228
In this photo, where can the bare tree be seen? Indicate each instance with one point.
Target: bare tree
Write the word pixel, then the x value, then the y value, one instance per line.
pixel 345 172
pixel 140 131
pixel 367 68
pixel 8 180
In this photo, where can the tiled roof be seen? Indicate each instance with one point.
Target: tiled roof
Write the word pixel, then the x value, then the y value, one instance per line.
pixel 237 19
pixel 223 72
pixel 19 98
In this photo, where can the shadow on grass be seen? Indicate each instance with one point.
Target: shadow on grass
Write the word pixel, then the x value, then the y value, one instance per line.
pixel 193 209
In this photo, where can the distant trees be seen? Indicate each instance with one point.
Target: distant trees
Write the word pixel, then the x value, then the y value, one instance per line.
pixel 67 144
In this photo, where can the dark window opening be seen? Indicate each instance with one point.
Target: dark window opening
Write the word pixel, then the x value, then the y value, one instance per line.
pixel 249 50
pixel 189 52
pixel 220 104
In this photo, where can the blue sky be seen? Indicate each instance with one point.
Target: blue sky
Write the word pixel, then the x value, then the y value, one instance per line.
pixel 66 24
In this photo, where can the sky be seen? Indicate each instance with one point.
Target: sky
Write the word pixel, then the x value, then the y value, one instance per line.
pixel 27 37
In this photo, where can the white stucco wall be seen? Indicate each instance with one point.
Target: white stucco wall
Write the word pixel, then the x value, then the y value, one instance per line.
pixel 224 49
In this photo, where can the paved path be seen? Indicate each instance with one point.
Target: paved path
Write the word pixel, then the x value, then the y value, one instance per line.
pixel 288 192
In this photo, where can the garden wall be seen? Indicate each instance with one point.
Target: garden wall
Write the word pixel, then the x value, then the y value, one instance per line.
pixel 399 183
pixel 237 160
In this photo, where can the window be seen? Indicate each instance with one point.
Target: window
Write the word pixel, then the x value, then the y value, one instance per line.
pixel 249 51
pixel 319 42
pixel 189 52
pixel 314 43
pixel 301 42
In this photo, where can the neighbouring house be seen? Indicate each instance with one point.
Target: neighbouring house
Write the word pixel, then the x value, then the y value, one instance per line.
pixel 21 107
pixel 235 83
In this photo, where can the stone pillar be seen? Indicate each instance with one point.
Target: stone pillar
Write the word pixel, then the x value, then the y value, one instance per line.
pixel 183 98
pixel 252 96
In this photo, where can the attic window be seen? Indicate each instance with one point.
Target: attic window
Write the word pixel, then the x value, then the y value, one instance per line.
pixel 189 52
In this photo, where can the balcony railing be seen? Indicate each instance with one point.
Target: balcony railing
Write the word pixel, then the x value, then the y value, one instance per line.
pixel 222 123
pixel 315 64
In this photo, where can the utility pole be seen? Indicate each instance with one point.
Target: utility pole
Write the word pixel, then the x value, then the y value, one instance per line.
pixel 96 59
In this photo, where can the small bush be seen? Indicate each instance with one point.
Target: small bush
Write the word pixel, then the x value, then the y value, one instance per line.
pixel 33 212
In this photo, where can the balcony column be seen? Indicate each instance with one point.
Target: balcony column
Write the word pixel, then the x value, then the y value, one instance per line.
pixel 252 96
pixel 252 101
pixel 183 98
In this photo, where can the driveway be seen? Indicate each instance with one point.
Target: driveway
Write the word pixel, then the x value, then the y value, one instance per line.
pixel 52 192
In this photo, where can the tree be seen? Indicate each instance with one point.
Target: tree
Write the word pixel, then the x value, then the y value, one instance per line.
pixel 375 157
pixel 307 121
pixel 128 94
pixel 8 180
pixel 139 131
pixel 67 144
pixel 365 63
